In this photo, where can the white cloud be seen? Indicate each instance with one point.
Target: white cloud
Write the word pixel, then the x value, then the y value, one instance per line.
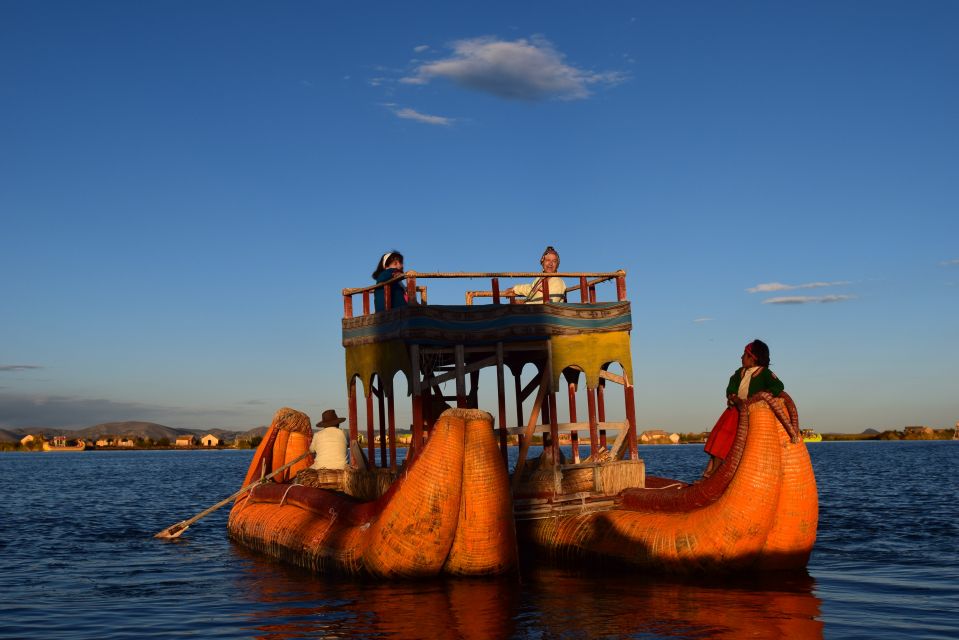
pixel 425 118
pixel 949 263
pixel 778 286
pixel 807 299
pixel 702 319
pixel 421 48
pixel 521 70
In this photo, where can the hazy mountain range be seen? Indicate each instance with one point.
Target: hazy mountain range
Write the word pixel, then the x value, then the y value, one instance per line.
pixel 132 429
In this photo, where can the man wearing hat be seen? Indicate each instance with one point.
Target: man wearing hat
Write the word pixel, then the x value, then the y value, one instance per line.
pixel 329 443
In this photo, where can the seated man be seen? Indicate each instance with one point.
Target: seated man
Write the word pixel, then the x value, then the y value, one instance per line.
pixel 329 443
pixel 534 291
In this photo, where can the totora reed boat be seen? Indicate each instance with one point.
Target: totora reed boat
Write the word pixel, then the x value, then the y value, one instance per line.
pixel 452 508
pixel 59 443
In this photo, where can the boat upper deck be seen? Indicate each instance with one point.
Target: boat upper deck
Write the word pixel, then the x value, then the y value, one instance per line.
pixel 504 320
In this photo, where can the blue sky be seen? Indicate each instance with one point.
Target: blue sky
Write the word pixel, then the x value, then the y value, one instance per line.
pixel 187 186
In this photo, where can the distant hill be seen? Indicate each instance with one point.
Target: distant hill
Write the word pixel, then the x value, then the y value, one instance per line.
pixel 134 429
pixel 871 432
pixel 9 436
pixel 249 435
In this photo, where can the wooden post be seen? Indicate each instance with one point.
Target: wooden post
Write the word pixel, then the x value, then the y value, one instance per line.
pixel 411 287
pixel 371 440
pixel 495 290
pixel 501 401
pixel 573 435
pixel 460 355
pixel 388 296
pixel 473 397
pixel 347 306
pixel 583 290
pixel 353 419
pixel 631 416
pixel 621 286
pixel 417 409
pixel 594 442
pixel 366 303
pixel 391 409
pixel 519 406
pixel 592 294
pixel 381 406
pixel 545 288
pixel 553 425
pixel 601 409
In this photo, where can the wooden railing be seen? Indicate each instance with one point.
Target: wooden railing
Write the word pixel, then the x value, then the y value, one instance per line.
pixel 587 282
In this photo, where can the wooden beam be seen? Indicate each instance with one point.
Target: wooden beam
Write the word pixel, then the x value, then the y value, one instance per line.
pixel 451 375
pixel 530 427
pixel 612 377
pixel 528 389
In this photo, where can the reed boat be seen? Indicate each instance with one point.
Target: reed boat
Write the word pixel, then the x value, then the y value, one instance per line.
pixel 587 501
pixel 445 513
pixel 808 435
pixel 759 511
pixel 60 444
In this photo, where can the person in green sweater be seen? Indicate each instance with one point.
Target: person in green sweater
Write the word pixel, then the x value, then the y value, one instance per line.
pixel 754 376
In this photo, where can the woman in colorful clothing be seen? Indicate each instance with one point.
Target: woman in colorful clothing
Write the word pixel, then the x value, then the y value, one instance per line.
pixel 753 377
pixel 389 266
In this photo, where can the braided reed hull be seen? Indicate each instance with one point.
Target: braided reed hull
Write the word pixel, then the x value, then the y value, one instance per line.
pixel 762 515
pixel 448 513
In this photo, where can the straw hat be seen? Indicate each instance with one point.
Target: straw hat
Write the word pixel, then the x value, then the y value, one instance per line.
pixel 330 419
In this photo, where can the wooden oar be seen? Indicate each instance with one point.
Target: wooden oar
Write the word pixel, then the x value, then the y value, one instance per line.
pixel 176 530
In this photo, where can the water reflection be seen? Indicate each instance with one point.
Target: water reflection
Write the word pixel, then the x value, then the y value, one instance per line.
pixel 286 602
pixel 634 606
pixel 299 604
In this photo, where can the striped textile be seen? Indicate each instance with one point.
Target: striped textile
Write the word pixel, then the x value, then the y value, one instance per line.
pixel 479 324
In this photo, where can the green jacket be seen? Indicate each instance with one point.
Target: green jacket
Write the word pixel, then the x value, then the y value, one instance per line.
pixel 765 380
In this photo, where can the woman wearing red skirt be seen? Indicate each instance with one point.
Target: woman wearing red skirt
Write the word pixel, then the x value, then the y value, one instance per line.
pixel 753 377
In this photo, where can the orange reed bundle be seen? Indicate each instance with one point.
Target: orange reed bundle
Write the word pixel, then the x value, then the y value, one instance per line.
pixel 760 511
pixel 423 525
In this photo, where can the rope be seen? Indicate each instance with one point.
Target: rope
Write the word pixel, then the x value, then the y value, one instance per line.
pixel 283 499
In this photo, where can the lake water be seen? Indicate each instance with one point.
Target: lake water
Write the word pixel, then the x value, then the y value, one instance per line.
pixel 79 561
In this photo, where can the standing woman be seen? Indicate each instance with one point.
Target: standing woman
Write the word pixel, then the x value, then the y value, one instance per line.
pixel 753 377
pixel 389 266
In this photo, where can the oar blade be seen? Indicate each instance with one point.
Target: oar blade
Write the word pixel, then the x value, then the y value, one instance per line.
pixel 172 532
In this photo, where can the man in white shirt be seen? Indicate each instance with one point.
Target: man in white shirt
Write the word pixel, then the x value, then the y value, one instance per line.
pixel 533 292
pixel 329 443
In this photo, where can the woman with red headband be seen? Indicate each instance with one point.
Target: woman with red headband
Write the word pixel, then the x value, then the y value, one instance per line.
pixel 753 377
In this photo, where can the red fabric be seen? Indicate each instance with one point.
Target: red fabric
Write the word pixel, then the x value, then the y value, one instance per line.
pixel 721 438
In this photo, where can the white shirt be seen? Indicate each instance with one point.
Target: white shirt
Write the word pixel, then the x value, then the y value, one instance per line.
pixel 557 290
pixel 329 445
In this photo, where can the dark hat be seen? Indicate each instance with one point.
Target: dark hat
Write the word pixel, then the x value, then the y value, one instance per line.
pixel 330 419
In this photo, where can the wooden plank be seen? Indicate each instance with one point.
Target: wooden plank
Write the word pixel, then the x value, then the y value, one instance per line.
pixel 553 510
pixel 530 427
pixel 619 446
pixel 451 375
pixel 528 389
pixel 612 377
